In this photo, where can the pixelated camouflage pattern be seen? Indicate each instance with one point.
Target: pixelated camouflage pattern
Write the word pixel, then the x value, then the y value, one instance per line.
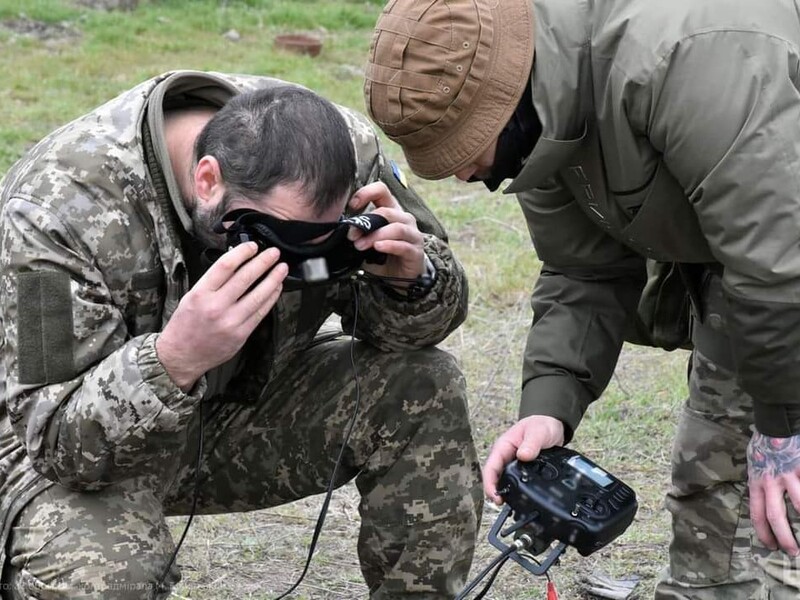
pixel 113 543
pixel 714 554
pixel 410 452
pixel 83 204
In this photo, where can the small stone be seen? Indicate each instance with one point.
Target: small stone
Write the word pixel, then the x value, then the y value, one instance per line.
pixel 232 35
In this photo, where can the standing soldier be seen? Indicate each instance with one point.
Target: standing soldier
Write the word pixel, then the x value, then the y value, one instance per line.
pixel 643 138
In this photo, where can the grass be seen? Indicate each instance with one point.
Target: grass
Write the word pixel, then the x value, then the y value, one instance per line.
pixel 80 57
pixel 48 82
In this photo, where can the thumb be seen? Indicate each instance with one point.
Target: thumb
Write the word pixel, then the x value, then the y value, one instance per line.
pixel 530 446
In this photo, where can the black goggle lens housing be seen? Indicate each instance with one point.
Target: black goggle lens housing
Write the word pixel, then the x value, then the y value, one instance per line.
pixel 292 238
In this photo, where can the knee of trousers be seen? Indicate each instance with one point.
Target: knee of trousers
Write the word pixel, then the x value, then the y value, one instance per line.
pixel 113 544
pixel 429 388
pixel 428 373
pixel 420 413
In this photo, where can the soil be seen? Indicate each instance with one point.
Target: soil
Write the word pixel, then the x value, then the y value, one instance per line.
pixel 25 27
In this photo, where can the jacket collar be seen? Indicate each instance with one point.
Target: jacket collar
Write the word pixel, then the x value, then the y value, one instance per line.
pixel 562 87
pixel 183 86
pixel 548 156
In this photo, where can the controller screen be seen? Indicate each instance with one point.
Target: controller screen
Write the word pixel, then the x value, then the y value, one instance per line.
pixel 590 470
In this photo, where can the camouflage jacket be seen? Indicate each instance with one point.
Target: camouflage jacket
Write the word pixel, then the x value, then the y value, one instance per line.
pixel 92 269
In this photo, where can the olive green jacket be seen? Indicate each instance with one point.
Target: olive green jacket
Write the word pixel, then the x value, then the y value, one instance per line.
pixel 92 267
pixel 671 130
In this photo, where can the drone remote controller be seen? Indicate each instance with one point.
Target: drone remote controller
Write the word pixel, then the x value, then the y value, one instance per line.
pixel 564 496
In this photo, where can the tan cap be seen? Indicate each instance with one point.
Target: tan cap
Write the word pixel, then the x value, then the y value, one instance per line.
pixel 444 77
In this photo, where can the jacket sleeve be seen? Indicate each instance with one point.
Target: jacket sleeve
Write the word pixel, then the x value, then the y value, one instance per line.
pixel 90 404
pixel 392 323
pixel 584 303
pixel 724 110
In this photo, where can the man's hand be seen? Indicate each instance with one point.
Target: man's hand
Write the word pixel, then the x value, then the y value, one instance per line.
pixel 773 469
pixel 400 239
pixel 523 441
pixel 214 319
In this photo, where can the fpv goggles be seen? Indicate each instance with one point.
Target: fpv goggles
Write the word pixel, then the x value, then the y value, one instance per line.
pixel 333 258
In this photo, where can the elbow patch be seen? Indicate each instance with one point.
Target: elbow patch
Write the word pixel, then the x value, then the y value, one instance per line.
pixel 44 327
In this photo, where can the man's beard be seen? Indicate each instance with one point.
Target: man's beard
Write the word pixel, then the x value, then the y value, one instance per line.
pixel 203 222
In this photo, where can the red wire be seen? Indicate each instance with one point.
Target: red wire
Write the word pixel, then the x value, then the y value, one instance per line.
pixel 552 594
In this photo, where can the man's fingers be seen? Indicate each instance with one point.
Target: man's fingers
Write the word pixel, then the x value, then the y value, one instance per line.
pixel 397 215
pixel 775 506
pixel 256 304
pixel 377 193
pixel 793 491
pixel 531 446
pixel 527 453
pixel 402 226
pixel 226 266
pixel 758 517
pixel 249 273
pixel 502 453
pixel 777 518
pixel 410 254
pixel 394 231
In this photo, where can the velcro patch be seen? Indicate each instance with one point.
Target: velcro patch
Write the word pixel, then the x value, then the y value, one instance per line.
pixel 44 327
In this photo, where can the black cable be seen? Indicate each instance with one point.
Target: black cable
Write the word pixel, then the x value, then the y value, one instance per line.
pixel 498 562
pixel 331 484
pixel 521 543
pixel 195 496
pixel 538 563
pixel 489 583
pixel 329 492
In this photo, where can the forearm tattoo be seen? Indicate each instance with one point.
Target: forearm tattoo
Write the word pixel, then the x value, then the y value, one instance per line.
pixel 771 456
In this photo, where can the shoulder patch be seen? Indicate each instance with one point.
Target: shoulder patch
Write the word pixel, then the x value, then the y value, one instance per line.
pixel 398 174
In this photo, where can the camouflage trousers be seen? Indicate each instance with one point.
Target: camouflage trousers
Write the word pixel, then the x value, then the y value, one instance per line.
pixel 411 455
pixel 715 554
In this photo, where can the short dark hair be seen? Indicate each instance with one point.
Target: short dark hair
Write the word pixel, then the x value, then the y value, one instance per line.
pixel 281 135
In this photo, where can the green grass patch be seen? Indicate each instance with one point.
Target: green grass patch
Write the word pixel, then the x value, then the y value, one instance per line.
pixel 61 60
